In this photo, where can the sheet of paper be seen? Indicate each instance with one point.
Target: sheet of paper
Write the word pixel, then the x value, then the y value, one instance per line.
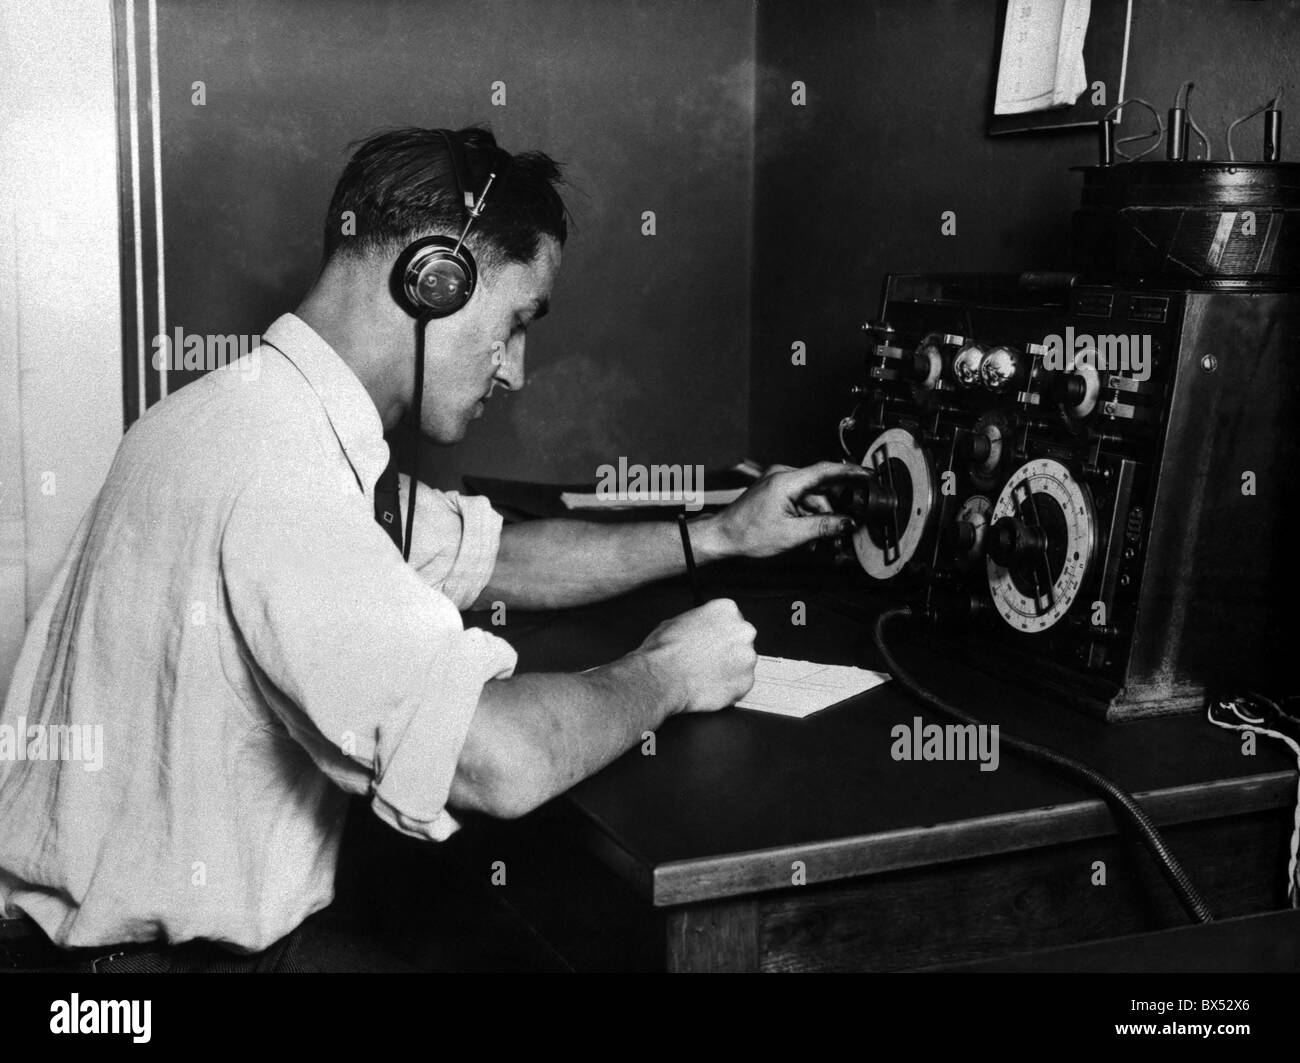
pixel 638 499
pixel 1042 55
pixel 800 688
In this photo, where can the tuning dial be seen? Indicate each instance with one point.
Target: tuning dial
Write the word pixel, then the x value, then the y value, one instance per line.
pixel 895 507
pixel 1014 544
pixel 1041 545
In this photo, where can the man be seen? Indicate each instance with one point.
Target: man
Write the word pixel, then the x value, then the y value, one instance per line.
pixel 252 648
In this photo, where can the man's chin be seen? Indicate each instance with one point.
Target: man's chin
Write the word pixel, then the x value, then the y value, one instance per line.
pixel 443 436
pixel 446 434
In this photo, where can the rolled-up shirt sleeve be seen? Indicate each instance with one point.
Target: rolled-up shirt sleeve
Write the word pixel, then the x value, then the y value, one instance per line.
pixel 454 547
pixel 372 661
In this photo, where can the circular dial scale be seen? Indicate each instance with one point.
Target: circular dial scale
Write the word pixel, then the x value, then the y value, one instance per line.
pixel 885 545
pixel 1049 524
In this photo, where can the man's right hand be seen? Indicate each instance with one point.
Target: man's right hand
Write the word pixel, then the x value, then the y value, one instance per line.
pixel 535 735
pixel 706 656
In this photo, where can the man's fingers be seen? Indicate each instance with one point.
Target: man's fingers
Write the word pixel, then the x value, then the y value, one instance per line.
pixel 718 608
pixel 815 504
pixel 803 481
pixel 822 527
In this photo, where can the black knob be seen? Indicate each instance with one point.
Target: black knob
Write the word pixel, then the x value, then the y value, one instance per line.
pixel 1069 389
pixel 1013 544
pixel 881 503
pixel 961 536
pixel 913 367
pixel 974 447
pixel 869 503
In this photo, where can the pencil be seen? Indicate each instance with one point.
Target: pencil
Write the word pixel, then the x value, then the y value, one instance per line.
pixel 690 558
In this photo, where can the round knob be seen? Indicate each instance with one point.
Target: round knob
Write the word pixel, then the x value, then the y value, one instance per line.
pixel 881 503
pixel 1012 543
pixel 966 365
pixel 872 503
pixel 962 536
pixel 1069 389
pixel 974 447
pixel 1000 368
pixel 913 367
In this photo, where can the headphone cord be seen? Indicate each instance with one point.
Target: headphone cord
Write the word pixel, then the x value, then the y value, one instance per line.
pixel 417 401
pixel 1126 809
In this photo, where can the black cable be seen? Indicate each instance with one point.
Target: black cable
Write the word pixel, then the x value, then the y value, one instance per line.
pixel 1126 809
pixel 417 401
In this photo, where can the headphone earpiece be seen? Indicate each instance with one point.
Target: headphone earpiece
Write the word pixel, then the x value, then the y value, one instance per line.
pixel 434 276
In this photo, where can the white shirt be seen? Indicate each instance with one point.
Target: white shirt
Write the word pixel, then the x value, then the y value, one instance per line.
pixel 250 645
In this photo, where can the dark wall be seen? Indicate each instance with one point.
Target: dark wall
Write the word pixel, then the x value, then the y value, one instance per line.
pixel 650 105
pixel 853 184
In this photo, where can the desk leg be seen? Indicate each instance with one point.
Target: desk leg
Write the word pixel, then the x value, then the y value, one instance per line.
pixel 717 936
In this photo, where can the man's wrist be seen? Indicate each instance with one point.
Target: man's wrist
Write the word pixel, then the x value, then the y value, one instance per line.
pixel 645 669
pixel 709 539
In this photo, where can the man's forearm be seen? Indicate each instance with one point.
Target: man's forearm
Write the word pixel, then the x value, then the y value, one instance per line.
pixel 534 736
pixel 550 564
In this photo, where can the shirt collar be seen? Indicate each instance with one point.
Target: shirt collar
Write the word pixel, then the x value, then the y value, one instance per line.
pixel 348 405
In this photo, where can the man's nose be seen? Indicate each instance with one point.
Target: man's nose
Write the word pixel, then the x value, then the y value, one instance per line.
pixel 511 370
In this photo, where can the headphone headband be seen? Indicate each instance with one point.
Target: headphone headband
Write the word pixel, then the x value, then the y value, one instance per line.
pixel 459 166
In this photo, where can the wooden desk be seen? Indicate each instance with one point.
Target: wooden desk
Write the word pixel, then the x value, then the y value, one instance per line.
pixel 686 860
pixel 1252 944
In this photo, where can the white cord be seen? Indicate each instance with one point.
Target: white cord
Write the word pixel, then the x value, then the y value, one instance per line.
pixel 846 424
pixel 1291 892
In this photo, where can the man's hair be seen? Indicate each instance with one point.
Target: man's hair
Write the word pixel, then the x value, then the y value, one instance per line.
pixel 399 187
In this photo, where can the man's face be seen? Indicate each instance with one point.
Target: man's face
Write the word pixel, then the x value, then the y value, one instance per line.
pixel 469 353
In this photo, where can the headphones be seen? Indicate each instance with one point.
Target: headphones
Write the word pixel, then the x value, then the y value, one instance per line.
pixel 436 275
pixel 433 277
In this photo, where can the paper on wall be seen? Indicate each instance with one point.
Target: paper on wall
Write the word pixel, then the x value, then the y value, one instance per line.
pixel 1042 55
